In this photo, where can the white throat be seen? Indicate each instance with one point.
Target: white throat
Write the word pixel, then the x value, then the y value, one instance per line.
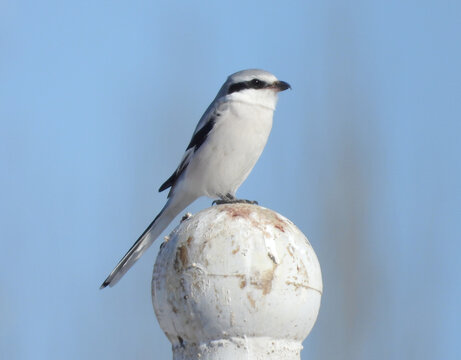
pixel 264 98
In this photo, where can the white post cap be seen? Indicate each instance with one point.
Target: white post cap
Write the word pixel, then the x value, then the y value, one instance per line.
pixel 236 282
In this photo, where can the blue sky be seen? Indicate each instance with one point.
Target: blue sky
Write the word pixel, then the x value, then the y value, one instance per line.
pixel 99 99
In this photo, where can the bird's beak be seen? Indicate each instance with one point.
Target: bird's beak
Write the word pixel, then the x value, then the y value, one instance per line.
pixel 281 86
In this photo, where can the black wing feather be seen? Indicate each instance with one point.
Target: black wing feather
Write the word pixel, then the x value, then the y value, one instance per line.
pixel 169 182
pixel 200 136
pixel 197 140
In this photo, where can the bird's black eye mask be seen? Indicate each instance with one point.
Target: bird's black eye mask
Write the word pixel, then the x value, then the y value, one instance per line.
pixel 251 84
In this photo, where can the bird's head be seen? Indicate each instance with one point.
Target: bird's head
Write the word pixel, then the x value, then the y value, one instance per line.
pixel 253 86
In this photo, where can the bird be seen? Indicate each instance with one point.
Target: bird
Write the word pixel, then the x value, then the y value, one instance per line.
pixel 225 146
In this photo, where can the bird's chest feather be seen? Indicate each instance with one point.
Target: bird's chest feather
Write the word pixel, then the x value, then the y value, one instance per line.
pixel 231 149
pixel 241 131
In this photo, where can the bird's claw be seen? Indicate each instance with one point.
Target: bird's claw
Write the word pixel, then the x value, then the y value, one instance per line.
pixel 234 201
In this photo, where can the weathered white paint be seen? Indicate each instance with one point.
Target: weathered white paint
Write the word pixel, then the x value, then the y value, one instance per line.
pixel 236 282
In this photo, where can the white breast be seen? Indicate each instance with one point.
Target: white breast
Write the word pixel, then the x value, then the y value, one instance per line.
pixel 231 150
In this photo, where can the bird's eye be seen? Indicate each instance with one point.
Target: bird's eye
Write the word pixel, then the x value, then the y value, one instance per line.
pixel 257 83
pixel 250 84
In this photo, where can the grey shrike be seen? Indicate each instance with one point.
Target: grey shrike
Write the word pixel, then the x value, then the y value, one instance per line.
pixel 226 144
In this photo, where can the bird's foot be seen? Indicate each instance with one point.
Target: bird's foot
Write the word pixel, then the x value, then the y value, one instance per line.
pixel 234 201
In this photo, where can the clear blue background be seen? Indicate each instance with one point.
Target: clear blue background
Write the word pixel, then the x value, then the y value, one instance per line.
pixel 98 100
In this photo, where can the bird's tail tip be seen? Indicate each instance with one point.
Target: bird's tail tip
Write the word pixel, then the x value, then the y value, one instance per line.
pixel 104 284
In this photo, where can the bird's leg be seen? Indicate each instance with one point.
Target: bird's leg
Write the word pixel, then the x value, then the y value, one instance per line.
pixel 231 199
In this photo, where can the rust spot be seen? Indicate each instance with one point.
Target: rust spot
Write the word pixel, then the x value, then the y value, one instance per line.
pixel 266 217
pixel 236 250
pixel 238 211
pixel 264 281
pixel 183 255
pixel 274 220
pixel 175 309
pixel 289 250
pixel 252 301
pixel 181 258
pixel 189 240
pixel 243 283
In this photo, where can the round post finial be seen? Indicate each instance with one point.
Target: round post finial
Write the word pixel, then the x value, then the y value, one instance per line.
pixel 236 282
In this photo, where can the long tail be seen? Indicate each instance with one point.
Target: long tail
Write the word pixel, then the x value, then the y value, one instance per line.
pixel 172 208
